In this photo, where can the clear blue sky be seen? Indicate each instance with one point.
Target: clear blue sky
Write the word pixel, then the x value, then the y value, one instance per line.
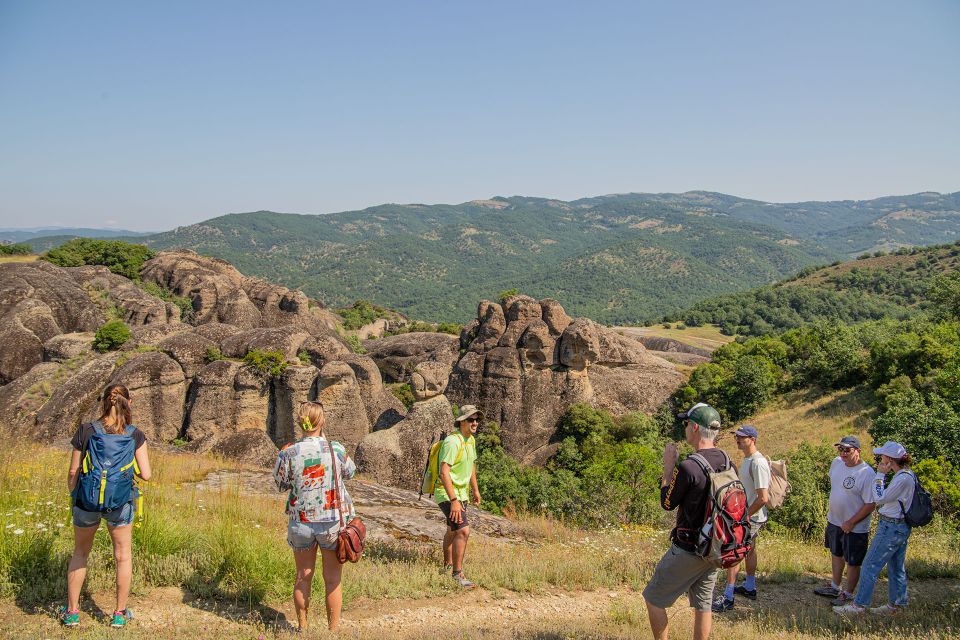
pixel 152 115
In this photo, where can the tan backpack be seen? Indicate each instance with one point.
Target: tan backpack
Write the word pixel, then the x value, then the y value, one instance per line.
pixel 779 485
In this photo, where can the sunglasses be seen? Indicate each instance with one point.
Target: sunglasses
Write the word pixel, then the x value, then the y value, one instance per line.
pixel 471 420
pixel 844 449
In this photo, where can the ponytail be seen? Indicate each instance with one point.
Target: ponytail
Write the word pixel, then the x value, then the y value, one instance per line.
pixel 115 408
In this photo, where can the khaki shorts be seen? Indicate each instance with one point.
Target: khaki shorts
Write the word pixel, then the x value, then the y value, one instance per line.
pixel 681 572
pixel 756 528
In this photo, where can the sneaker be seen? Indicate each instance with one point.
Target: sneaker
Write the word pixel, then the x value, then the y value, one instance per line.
pixel 120 618
pixel 69 618
pixel 827 591
pixel 462 580
pixel 721 604
pixel 842 599
pixel 885 610
pixel 848 610
pixel 741 590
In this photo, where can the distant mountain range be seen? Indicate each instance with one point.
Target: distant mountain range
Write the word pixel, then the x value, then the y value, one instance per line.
pixel 42 238
pixel 618 258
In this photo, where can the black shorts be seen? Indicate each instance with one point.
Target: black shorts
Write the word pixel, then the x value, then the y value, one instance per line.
pixel 445 507
pixel 852 547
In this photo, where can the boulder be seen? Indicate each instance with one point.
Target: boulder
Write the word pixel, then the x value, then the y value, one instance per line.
pixel 67 346
pixel 397 356
pixel 382 407
pixel 293 387
pixel 157 394
pixel 324 348
pixel 20 350
pixel 150 335
pixel 429 379
pixel 398 455
pixel 189 349
pixel 250 446
pixel 555 317
pixel 69 305
pixel 340 394
pixel 76 399
pixel 21 399
pixel 580 344
pixel 216 332
pixel 212 404
pixel 284 340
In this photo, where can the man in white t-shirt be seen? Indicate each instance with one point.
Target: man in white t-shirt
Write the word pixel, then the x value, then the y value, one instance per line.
pixel 848 520
pixel 755 476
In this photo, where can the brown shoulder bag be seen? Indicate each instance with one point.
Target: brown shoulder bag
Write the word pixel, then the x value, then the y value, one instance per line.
pixel 351 537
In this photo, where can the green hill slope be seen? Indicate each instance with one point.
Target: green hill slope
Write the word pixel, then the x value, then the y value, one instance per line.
pixel 621 258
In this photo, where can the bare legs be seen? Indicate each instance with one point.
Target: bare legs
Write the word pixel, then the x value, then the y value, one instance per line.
pixel 306 561
pixel 660 624
pixel 454 547
pixel 122 554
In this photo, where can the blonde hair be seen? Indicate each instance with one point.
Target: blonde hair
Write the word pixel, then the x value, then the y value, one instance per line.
pixel 115 405
pixel 312 411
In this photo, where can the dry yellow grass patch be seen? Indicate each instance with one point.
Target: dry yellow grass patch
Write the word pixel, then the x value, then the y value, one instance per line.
pixel 4 259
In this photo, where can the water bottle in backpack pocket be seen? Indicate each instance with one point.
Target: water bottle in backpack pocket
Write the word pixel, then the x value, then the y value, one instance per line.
pixel 107 471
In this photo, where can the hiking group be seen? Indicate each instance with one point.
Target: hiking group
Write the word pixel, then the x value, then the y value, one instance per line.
pixel 720 512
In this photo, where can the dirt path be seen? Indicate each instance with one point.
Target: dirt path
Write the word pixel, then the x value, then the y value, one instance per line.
pixel 172 613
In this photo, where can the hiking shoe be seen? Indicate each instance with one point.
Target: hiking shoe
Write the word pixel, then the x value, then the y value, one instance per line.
pixel 827 591
pixel 120 618
pixel 721 604
pixel 849 610
pixel 69 618
pixel 462 580
pixel 842 599
pixel 885 610
pixel 741 590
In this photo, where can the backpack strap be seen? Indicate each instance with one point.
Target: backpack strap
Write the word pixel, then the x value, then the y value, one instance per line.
pixel 336 481
pixel 98 427
pixel 129 430
pixel 463 446
pixel 916 483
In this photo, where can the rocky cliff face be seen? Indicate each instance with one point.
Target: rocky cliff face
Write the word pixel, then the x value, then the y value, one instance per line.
pixel 524 363
pixel 527 361
pixel 179 388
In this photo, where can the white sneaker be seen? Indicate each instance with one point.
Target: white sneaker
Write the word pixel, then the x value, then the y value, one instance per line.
pixel 849 610
pixel 885 610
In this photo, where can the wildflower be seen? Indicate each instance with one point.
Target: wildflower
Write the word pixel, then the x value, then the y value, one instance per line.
pixel 17 532
pixel 40 525
pixel 59 525
pixel 48 502
pixel 9 526
pixel 28 513
pixel 257 526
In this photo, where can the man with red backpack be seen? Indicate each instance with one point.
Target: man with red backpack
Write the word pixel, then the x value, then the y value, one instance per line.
pixel 683 568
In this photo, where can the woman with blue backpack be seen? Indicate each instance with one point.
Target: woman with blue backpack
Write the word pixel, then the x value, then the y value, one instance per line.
pixel 889 545
pixel 107 454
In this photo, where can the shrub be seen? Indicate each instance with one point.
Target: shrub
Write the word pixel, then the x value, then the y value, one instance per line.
pixel 19 249
pixel 122 258
pixel 304 357
pixel 185 304
pixel 506 294
pixel 355 345
pixel 266 363
pixel 111 336
pixel 213 354
pixel 360 314
pixel 805 509
pixel 403 393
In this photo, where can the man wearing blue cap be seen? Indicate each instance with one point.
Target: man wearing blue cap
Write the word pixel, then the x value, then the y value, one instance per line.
pixel 755 476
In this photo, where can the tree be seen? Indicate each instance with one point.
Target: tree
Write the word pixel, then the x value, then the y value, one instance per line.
pixel 945 294
pixel 751 386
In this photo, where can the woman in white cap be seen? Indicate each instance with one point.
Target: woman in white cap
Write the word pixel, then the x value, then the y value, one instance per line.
pixel 889 545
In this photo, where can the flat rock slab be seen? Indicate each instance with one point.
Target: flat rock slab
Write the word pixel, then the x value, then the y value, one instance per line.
pixel 389 513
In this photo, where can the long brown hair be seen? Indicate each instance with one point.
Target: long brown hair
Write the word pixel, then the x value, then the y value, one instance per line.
pixel 115 408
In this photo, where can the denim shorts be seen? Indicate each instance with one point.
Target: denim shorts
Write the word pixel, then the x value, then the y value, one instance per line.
pixel 117 518
pixel 303 535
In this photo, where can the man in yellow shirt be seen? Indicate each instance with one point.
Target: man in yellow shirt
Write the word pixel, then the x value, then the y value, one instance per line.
pixel 458 478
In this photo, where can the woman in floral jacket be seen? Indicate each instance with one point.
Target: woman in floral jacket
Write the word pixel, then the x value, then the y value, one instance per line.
pixel 314 504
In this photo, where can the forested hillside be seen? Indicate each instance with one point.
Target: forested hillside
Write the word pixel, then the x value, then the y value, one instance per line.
pixel 618 259
pixel 895 285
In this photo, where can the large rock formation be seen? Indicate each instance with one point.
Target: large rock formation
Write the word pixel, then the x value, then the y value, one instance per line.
pixel 526 362
pixel 397 356
pixel 220 293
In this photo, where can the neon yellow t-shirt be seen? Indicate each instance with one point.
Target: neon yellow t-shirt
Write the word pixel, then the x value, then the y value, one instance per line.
pixel 461 472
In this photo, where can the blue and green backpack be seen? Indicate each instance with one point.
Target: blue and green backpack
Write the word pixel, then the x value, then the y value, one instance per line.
pixel 106 476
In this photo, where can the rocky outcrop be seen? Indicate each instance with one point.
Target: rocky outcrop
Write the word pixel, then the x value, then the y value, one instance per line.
pixel 429 379
pixel 74 400
pixel 220 293
pixel 135 306
pixel 157 393
pixel 397 356
pixel 339 392
pixel 67 346
pixel 38 301
pixel 526 362
pixel 251 446
pixel 397 456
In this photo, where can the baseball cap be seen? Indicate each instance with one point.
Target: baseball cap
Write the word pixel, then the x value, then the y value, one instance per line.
pixel 747 430
pixel 468 410
pixel 702 414
pixel 891 449
pixel 848 441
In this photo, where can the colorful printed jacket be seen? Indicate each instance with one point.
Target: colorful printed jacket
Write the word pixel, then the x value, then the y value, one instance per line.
pixel 303 468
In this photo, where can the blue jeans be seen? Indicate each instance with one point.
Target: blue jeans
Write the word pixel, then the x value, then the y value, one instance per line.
pixel 888 547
